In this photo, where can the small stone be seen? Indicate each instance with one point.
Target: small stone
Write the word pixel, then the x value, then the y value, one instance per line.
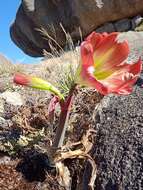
pixel 13 98
pixel 4 126
pixel 2 121
pixel 1 106
pixel 136 21
pixel 5 160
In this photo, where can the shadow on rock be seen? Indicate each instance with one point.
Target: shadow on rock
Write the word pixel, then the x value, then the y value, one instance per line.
pixel 140 82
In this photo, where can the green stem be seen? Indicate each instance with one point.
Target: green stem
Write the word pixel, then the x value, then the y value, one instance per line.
pixel 63 120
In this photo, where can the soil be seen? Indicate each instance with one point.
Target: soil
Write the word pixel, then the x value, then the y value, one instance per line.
pixel 29 165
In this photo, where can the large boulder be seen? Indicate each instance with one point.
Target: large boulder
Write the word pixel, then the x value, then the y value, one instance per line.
pixel 48 14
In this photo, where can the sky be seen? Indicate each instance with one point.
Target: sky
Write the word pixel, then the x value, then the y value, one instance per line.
pixel 8 10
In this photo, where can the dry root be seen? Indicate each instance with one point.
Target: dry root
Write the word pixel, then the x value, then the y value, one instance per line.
pixel 79 150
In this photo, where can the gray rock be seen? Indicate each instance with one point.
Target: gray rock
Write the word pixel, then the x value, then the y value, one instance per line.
pixel 108 27
pixel 48 14
pixel 118 149
pixel 123 25
pixel 5 160
pixel 136 21
pixel 136 47
pixel 1 106
pixel 4 124
pixel 13 98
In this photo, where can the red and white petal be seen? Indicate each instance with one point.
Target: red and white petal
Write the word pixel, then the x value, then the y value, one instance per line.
pixel 125 88
pixel 120 82
pixel 86 54
pixel 86 78
pixel 110 53
pixel 136 68
pixel 95 39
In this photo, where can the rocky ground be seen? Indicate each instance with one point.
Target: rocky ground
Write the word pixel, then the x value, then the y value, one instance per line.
pixel 25 131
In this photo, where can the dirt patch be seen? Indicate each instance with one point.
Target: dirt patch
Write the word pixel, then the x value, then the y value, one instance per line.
pixel 33 165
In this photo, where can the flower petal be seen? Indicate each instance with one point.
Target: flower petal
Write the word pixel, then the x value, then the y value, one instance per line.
pixel 87 53
pixel 90 81
pixel 110 53
pixel 87 79
pixel 86 61
pixel 95 39
pixel 136 68
pixel 122 80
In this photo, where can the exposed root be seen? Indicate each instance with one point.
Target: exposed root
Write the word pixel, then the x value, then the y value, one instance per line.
pixel 79 150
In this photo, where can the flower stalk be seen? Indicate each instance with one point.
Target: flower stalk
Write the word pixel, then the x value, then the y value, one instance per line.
pixel 63 120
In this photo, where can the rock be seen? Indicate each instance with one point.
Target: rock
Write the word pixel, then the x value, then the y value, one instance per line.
pixel 122 25
pixel 5 160
pixel 108 27
pixel 5 126
pixel 118 149
pixel 1 106
pixel 13 98
pixel 2 122
pixel 136 21
pixel 134 39
pixel 86 15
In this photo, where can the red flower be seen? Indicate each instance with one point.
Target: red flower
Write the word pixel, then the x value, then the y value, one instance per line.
pixel 103 64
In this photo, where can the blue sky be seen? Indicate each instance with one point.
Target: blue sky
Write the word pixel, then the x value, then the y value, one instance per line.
pixel 8 10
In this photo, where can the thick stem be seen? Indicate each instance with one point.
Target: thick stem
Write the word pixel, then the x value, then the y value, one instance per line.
pixel 63 120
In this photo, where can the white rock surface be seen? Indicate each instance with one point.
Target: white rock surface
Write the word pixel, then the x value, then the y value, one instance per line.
pixel 1 106
pixel 13 98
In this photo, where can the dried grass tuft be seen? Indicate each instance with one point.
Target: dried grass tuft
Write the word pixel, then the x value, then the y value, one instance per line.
pixel 7 67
